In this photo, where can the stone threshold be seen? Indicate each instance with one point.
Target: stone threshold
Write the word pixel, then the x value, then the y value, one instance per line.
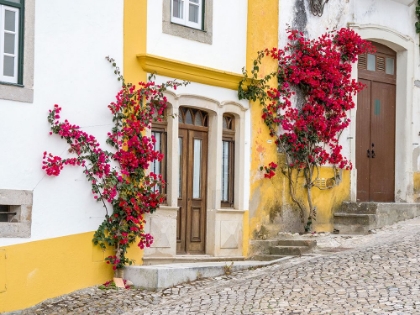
pixel 163 276
pixel 159 260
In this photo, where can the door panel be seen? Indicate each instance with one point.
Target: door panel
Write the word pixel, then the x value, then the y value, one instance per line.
pixel 363 142
pixel 192 199
pixel 375 130
pixel 382 172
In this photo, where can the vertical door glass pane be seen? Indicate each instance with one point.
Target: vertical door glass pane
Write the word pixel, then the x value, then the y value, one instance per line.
pixel 389 66
pixel 156 163
pixel 9 66
pixel 178 8
pixel 193 13
pixel 225 171
pixel 197 169
pixel 9 20
pixel 9 43
pixel 371 62
pixel 180 168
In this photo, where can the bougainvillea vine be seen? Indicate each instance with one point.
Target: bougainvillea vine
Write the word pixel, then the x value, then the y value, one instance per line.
pixel 120 177
pixel 308 110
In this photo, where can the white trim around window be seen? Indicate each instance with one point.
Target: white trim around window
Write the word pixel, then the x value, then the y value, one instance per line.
pixel 9 44
pixel 187 12
pixel 23 90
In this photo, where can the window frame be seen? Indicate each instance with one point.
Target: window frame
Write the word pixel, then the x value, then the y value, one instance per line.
pixel 20 8
pixel 161 127
pixel 202 35
pixel 229 136
pixel 23 90
pixel 19 202
pixel 185 20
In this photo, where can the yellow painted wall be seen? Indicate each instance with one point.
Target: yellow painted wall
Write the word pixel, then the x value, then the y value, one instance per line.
pixel 269 196
pixel 35 271
pixel 135 39
pixel 416 186
pixel 262 32
pixel 326 201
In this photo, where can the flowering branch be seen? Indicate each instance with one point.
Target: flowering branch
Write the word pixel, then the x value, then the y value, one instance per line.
pixel 317 74
pixel 120 179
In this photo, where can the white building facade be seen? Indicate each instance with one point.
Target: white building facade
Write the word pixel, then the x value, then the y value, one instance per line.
pixel 52 53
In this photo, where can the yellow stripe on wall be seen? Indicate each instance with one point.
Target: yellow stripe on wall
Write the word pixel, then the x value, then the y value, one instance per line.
pixel 262 32
pixel 135 39
pixel 35 271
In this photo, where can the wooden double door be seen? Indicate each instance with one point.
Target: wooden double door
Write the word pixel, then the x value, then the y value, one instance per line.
pixel 191 221
pixel 375 126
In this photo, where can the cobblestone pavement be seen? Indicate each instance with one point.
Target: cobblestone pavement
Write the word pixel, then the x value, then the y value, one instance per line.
pixel 372 274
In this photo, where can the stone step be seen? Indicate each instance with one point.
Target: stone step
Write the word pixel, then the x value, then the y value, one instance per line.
pixel 267 257
pixel 288 250
pixel 360 218
pixel 292 242
pixel 165 276
pixel 153 260
pixel 359 207
pixel 354 218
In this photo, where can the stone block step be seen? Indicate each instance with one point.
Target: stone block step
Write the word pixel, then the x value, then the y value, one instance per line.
pixel 165 276
pixel 288 250
pixel 359 207
pixel 296 242
pixel 353 218
pixel 153 260
pixel 361 217
pixel 267 257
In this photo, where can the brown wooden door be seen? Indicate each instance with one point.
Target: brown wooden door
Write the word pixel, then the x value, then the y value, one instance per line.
pixel 375 129
pixel 192 192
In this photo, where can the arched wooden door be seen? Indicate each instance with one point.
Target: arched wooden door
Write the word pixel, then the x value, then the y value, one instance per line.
pixel 375 126
pixel 193 145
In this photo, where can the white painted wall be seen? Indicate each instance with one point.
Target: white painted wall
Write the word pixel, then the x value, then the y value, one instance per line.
pixel 385 21
pixel 228 50
pixel 72 39
pixel 389 13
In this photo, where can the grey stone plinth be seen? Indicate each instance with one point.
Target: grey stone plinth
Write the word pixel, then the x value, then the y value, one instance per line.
pixel 165 276
pixel 361 217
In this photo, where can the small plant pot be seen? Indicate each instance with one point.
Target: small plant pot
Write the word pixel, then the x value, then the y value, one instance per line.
pixel 119 273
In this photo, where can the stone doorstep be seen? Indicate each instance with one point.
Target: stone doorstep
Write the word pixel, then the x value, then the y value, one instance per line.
pixel 288 250
pixel 168 275
pixel 360 218
pixel 281 247
pixel 157 260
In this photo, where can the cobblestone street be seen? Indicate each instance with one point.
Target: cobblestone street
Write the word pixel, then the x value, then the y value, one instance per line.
pixel 373 274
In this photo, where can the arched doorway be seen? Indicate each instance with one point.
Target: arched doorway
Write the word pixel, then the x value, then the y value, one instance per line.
pixel 375 126
pixel 193 146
